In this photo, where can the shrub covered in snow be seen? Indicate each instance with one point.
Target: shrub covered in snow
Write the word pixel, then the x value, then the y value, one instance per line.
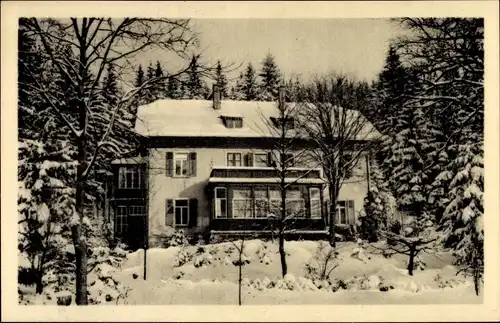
pixel 174 238
pixel 182 257
pixel 322 264
pixel 202 258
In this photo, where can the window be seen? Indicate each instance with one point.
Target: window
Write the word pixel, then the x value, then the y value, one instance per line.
pixel 295 205
pixel 242 203
pixel 345 212
pixel 261 203
pixel 233 159
pixel 287 122
pixel 275 201
pixel 315 198
pixel 137 210
pixel 260 160
pixel 233 122
pixel 121 224
pixel 181 210
pixel 220 202
pixel 129 177
pixel 288 160
pixel 181 164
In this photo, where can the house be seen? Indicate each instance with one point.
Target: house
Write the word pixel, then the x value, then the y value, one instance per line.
pixel 207 168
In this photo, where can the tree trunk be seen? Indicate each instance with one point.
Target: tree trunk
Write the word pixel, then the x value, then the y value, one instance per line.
pixel 39 282
pixel 281 249
pixel 239 280
pixel 411 262
pixel 81 265
pixel 333 208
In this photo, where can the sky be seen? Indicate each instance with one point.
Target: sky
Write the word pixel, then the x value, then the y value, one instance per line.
pixel 304 47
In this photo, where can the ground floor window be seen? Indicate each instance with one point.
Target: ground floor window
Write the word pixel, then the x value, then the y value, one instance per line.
pixel 345 211
pixel 181 212
pixel 137 210
pixel 220 202
pixel 242 203
pixel 315 198
pixel 121 224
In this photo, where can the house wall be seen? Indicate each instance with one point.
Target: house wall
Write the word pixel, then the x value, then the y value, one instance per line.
pixel 161 187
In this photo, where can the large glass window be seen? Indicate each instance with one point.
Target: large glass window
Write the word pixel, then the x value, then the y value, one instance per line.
pixel 315 197
pixel 242 203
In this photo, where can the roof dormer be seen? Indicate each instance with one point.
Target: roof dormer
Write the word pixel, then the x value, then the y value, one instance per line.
pixel 232 121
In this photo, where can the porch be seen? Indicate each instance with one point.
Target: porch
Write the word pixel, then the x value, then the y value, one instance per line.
pixel 247 200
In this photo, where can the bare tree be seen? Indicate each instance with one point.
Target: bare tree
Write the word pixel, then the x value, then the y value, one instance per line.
pixel 92 45
pixel 240 262
pixel 330 114
pixel 287 152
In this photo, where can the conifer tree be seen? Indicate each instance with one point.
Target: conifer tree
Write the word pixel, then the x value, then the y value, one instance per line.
pixel 270 79
pixel 237 92
pixel 160 88
pixel 250 87
pixel 221 80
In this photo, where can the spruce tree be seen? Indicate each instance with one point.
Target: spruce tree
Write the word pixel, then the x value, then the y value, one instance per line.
pixel 270 78
pixel 250 87
pixel 194 86
pixel 221 80
pixel 139 77
pixel 160 88
pixel 237 92
pixel 111 92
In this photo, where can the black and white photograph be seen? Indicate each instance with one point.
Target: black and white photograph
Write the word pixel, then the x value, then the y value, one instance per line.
pixel 169 160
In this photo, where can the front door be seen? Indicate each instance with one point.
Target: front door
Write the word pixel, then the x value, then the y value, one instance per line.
pixel 136 232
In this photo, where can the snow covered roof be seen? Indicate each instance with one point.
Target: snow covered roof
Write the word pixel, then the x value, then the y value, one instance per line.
pixel 198 118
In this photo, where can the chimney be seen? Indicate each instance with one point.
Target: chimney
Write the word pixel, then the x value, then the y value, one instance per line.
pixel 216 97
pixel 281 96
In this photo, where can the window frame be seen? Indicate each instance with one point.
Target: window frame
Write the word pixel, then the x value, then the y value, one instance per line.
pixel 123 222
pixel 135 170
pixel 266 159
pixel 234 160
pixel 130 208
pixel 316 199
pixel 187 165
pixel 338 209
pixel 249 208
pixel 183 207
pixel 220 199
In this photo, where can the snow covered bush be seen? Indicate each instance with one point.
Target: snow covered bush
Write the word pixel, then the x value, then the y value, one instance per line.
pixel 202 258
pixel 321 265
pixel 182 257
pixel 174 238
pixel 103 285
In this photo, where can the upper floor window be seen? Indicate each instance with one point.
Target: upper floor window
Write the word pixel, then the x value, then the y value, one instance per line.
pixel 181 164
pixel 233 159
pixel 286 122
pixel 129 177
pixel 233 122
pixel 260 160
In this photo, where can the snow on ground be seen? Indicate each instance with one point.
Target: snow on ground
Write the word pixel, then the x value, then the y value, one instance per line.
pixel 206 275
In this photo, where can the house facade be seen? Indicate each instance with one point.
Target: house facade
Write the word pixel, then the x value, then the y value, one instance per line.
pixel 208 167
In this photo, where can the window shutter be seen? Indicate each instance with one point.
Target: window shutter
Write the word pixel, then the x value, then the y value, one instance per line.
pixel 351 213
pixel 304 192
pixel 170 164
pixel 249 159
pixel 169 210
pixel 193 212
pixel 270 161
pixel 192 164
pixel 121 177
